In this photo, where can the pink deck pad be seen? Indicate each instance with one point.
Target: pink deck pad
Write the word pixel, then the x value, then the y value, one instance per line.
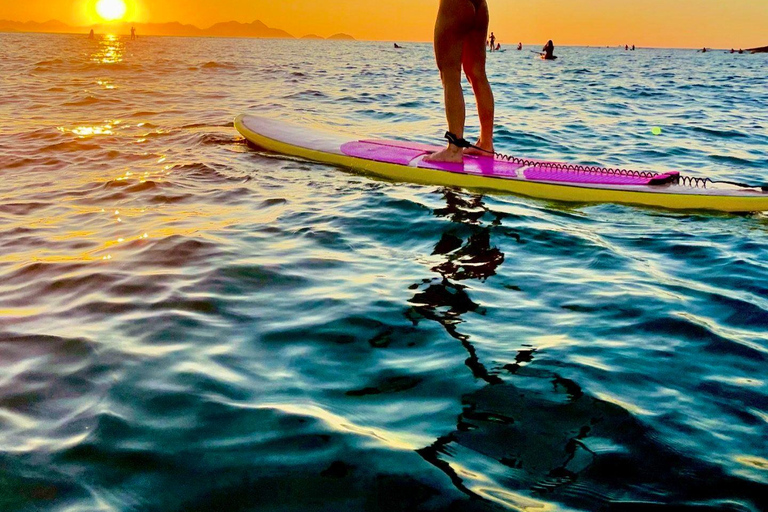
pixel 404 144
pixel 396 152
pixel 382 153
pixel 403 153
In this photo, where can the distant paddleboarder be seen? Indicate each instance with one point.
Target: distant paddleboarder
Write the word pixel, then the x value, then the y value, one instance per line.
pixel 493 40
pixel 133 33
pixel 460 35
pixel 91 35
pixel 548 51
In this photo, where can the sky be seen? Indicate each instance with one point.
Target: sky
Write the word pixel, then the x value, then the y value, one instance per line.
pixel 660 23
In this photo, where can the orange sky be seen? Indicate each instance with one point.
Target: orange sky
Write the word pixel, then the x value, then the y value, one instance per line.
pixel 666 23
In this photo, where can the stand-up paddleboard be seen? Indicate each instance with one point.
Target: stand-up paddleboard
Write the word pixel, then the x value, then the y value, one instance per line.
pixel 404 161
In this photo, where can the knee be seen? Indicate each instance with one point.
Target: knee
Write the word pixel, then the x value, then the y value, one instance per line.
pixel 475 73
pixel 449 74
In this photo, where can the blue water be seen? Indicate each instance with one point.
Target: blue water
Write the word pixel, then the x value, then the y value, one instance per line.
pixel 187 323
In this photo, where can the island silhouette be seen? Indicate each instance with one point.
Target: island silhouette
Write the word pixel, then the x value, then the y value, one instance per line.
pixel 255 29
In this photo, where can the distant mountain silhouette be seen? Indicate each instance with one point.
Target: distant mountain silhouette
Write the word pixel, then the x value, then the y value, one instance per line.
pixel 342 37
pixel 33 26
pixel 312 36
pixel 227 29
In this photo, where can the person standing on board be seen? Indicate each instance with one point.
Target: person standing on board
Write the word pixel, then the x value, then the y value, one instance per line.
pixel 133 33
pixel 493 40
pixel 460 35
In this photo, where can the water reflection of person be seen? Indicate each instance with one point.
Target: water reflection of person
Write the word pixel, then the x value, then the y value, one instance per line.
pixel 444 300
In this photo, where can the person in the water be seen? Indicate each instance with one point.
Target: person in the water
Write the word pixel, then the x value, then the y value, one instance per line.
pixel 519 46
pixel 397 46
pixel 91 35
pixel 460 35
pixel 548 51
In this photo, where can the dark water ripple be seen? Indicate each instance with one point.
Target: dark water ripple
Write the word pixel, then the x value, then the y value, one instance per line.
pixel 188 324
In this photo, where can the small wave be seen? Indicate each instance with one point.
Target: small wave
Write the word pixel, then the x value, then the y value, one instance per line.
pixel 49 62
pixel 216 140
pixel 22 208
pixel 207 125
pixel 736 161
pixel 71 146
pixel 726 134
pixel 175 250
pixel 217 65
pixel 309 94
pixel 89 100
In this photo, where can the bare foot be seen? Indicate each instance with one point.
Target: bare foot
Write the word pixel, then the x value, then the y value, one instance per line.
pixel 449 154
pixel 488 147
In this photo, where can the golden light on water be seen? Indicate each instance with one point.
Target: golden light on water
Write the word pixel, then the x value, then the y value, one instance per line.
pixel 109 51
pixel 111 10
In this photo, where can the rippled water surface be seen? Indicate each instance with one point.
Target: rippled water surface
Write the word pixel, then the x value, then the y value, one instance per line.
pixel 187 323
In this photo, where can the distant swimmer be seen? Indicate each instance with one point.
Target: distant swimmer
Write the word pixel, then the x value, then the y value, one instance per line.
pixel 633 47
pixel 493 41
pixel 460 34
pixel 741 51
pixel 133 33
pixel 519 46
pixel 548 51
pixel 498 47
pixel 626 47
pixel 397 46
pixel 91 35
pixel 704 50
pixel 733 51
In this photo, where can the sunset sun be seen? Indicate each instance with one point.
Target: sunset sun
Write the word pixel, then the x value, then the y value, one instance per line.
pixel 111 10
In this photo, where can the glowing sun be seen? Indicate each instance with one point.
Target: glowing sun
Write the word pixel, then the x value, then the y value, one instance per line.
pixel 111 10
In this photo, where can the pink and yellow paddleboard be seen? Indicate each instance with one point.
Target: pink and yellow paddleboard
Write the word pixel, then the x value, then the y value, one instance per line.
pixel 404 161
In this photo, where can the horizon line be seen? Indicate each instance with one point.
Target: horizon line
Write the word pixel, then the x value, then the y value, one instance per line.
pixel 290 36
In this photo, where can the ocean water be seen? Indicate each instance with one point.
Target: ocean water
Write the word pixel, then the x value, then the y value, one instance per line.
pixel 187 323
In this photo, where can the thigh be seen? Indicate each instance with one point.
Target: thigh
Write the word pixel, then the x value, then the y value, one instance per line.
pixel 474 48
pixel 455 19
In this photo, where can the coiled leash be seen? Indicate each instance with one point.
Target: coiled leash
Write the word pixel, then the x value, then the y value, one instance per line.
pixel 654 178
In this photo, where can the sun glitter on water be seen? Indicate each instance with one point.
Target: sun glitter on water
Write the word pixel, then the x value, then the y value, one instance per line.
pixel 111 10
